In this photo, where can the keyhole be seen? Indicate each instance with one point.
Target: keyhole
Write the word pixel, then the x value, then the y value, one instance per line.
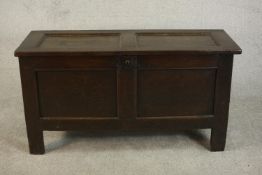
pixel 127 62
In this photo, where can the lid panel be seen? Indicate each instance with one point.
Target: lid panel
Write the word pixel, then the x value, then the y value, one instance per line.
pixel 133 42
pixel 175 40
pixel 93 41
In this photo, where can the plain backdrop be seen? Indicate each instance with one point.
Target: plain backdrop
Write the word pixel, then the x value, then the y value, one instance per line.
pixel 242 20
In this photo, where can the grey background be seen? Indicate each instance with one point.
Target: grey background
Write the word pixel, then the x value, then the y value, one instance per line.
pixel 184 153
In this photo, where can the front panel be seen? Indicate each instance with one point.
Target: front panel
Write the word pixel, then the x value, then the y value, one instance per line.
pixel 75 87
pixel 77 93
pixel 178 85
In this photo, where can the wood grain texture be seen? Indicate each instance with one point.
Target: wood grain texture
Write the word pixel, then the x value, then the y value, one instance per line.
pixel 222 99
pixel 86 93
pixel 127 42
pixel 126 80
pixel 31 109
pixel 176 92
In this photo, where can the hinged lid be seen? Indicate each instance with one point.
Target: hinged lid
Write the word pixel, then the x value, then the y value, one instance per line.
pixel 110 42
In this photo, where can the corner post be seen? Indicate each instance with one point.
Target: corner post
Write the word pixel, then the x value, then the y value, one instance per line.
pixel 31 108
pixel 221 104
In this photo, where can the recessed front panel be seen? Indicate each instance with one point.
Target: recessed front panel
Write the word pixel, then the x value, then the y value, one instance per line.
pixel 77 93
pixel 175 92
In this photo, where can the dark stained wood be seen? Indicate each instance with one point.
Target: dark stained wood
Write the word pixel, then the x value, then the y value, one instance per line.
pixel 126 80
pixel 31 109
pixel 165 124
pixel 85 93
pixel 66 63
pixel 77 123
pixel 176 92
pixel 57 41
pixel 126 42
pixel 177 61
pixel 126 87
pixel 222 99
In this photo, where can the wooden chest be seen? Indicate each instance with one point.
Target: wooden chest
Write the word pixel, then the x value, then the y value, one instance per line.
pixel 143 80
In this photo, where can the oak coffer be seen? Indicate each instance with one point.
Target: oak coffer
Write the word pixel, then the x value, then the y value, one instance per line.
pixel 126 80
